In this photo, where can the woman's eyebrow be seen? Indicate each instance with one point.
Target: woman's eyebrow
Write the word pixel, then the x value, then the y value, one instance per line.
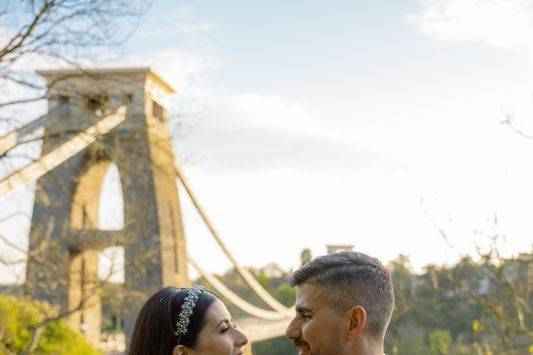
pixel 225 320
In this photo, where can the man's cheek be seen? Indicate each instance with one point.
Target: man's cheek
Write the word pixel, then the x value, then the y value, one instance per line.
pixel 308 332
pixel 315 337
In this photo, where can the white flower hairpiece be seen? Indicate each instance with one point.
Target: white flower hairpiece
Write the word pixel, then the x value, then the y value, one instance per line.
pixel 187 309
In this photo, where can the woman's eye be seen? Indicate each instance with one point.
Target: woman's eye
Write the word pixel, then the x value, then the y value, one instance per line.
pixel 224 330
pixel 306 316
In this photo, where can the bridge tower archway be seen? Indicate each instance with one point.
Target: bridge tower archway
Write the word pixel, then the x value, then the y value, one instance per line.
pixel 65 241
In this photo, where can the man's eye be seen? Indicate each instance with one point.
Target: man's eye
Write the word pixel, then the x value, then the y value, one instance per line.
pixel 225 330
pixel 306 316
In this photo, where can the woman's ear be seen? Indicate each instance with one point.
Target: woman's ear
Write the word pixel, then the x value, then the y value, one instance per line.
pixel 180 350
pixel 356 317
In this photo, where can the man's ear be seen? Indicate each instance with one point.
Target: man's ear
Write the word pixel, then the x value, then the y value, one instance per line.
pixel 180 350
pixel 356 317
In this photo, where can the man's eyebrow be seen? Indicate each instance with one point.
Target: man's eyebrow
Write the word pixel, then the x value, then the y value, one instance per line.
pixel 302 309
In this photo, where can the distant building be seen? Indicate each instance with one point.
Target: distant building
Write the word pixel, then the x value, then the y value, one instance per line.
pixel 305 256
pixel 335 248
pixel 519 268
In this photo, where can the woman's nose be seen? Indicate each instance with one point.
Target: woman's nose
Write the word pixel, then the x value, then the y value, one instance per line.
pixel 241 340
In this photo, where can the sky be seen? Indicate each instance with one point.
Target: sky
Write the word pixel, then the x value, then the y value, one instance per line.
pixel 307 123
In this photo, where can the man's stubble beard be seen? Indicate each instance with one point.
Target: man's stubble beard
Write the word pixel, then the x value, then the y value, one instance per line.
pixel 327 350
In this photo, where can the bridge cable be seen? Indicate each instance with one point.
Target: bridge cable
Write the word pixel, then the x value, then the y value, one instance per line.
pixel 10 140
pixel 234 298
pixel 62 153
pixel 245 273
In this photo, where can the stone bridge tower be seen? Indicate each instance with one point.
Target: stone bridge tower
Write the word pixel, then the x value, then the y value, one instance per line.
pixel 65 241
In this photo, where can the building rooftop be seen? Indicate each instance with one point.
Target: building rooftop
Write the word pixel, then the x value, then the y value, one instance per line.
pixel 124 71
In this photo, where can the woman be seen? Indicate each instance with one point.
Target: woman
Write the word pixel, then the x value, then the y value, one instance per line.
pixel 185 321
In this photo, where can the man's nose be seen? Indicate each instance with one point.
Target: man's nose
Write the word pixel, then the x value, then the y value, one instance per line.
pixel 293 330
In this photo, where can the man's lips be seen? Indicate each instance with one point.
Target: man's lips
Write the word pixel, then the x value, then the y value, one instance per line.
pixel 302 345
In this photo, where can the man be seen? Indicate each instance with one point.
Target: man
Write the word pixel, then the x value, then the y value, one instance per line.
pixel 344 303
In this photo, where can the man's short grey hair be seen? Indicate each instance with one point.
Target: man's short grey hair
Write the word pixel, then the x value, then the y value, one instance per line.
pixel 348 279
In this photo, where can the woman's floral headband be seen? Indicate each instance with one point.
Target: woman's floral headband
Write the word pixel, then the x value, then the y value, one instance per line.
pixel 187 309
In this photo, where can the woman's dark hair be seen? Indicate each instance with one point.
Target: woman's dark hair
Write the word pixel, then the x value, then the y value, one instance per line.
pixel 156 323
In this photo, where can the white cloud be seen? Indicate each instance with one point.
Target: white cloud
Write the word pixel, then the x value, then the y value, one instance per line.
pixel 219 131
pixel 254 132
pixel 506 24
pixel 272 111
pixel 184 70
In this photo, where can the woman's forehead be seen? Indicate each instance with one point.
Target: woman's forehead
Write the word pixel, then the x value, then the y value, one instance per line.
pixel 218 312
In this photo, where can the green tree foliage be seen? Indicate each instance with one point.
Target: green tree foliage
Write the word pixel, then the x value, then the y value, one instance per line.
pixel 274 347
pixel 20 318
pixel 440 342
pixel 472 307
pixel 412 341
pixel 278 286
